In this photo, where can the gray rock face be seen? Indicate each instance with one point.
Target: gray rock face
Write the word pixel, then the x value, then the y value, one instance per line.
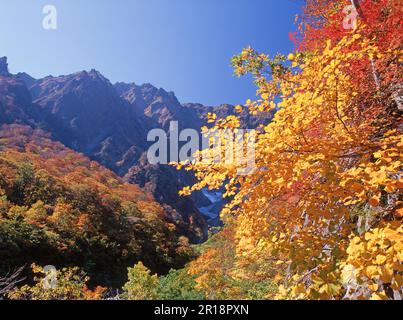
pixel 4 67
pixel 165 182
pixel 109 123
pixel 15 102
pixel 84 111
pixel 158 105
pixel 88 114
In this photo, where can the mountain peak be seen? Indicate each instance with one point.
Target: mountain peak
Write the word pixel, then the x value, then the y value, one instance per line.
pixel 96 74
pixel 92 74
pixel 4 67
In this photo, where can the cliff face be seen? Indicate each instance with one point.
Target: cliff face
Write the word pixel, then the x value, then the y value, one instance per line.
pixel 4 67
pixel 158 105
pixel 109 123
pixel 84 111
pixel 15 99
pixel 59 207
pixel 88 114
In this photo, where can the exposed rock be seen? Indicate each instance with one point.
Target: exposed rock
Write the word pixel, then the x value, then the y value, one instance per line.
pixel 109 123
pixel 4 67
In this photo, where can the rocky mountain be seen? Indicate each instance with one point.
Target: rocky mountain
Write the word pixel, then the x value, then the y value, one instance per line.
pixel 158 105
pixel 248 121
pixel 84 111
pixel 15 101
pixel 109 124
pixel 58 207
pixel 4 67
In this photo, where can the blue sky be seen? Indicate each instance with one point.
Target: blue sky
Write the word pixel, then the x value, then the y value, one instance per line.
pixel 184 46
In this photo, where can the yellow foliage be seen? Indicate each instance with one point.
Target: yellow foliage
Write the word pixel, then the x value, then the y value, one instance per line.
pixel 321 158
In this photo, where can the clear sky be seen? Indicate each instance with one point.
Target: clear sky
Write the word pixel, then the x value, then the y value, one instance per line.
pixel 184 46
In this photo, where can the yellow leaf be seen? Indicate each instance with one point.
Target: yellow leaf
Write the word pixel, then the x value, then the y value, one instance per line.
pixel 379 296
pixel 372 271
pixel 238 109
pixel 380 259
pixel 265 96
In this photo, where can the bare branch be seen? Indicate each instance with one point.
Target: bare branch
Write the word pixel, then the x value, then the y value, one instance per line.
pixel 10 280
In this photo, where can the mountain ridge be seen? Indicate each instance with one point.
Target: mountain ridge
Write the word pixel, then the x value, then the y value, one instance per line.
pixel 109 123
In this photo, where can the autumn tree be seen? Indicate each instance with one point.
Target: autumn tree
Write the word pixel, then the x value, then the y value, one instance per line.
pixel 141 284
pixel 325 200
pixel 69 284
pixel 58 207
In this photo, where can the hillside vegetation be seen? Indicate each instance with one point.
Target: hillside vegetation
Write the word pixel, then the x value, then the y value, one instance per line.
pixel 59 208
pixel 319 218
pixel 322 213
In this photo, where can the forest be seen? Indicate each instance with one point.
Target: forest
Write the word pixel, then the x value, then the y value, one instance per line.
pixel 319 219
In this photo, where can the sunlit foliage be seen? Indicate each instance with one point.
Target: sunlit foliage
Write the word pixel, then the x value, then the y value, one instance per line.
pixel 59 208
pixel 324 204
